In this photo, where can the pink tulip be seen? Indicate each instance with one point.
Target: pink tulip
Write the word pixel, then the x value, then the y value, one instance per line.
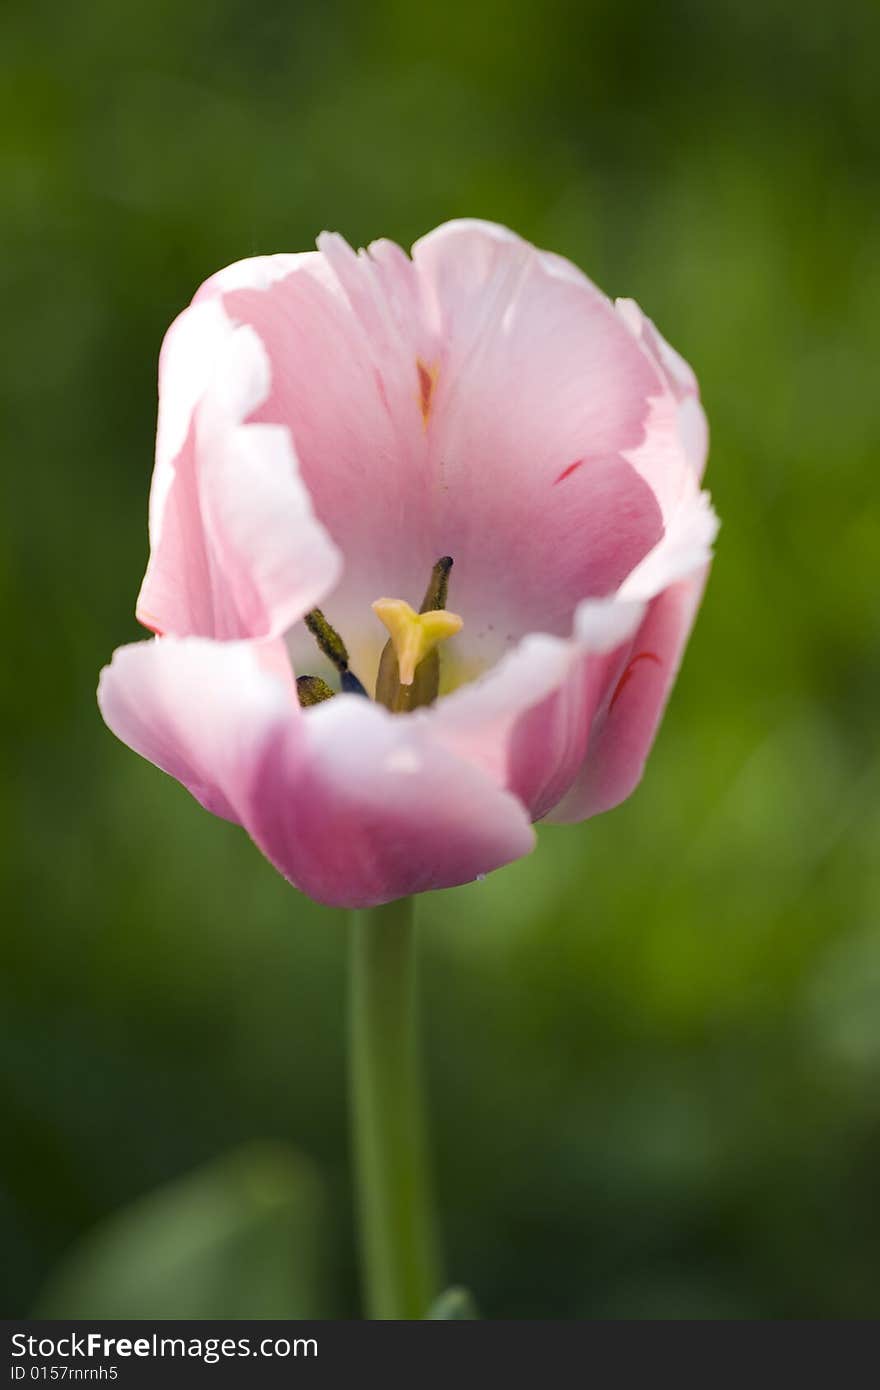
pixel 330 426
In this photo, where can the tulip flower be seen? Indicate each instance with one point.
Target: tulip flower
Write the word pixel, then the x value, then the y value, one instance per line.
pixel 331 426
pixel 427 540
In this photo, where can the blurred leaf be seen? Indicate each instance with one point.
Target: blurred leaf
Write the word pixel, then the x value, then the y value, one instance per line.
pixel 453 1304
pixel 239 1238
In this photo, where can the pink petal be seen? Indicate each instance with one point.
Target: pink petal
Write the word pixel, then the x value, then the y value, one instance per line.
pixel 527 721
pixel 235 548
pixel 685 548
pixel 255 273
pixel 677 431
pixel 633 705
pixel 671 458
pixel 344 334
pixel 567 724
pixel 200 710
pixel 353 805
pixel 375 808
pixel 541 391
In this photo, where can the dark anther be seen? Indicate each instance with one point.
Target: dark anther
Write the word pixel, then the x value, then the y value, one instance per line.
pixel 335 650
pixel 311 690
pixel 438 586
pixel 327 638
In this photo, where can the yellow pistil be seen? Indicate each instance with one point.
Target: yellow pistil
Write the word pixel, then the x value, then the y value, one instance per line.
pixel 414 635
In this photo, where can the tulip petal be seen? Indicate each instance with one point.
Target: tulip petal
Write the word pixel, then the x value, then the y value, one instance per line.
pixel 672 456
pixel 374 808
pixel 681 383
pixel 344 335
pixel 354 805
pixel 567 724
pixel 527 720
pixel 236 550
pixel 541 392
pixel 199 710
pixel 625 725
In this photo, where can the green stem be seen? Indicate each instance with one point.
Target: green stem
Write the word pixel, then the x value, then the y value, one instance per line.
pixel 398 1248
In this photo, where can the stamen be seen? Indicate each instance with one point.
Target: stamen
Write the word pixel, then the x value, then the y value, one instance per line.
pixel 335 650
pixel 311 690
pixel 327 638
pixel 438 585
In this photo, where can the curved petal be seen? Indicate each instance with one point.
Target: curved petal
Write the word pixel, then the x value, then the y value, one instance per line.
pixel 255 273
pixel 672 458
pixel 540 392
pixel 686 547
pixel 372 808
pixel 344 334
pixel 677 434
pixel 567 724
pixel 199 710
pixel 236 550
pixel 528 720
pixel 627 721
pixel 354 806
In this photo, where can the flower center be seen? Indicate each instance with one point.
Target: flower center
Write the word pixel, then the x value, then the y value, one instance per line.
pixel 409 668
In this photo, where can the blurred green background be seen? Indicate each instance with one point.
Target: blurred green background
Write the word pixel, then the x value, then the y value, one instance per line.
pixel 654 1048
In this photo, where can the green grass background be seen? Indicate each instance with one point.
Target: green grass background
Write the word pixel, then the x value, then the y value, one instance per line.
pixel 653 1048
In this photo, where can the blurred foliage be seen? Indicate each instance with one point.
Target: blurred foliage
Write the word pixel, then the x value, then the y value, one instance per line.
pixel 242 1238
pixel 453 1305
pixel 654 1048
